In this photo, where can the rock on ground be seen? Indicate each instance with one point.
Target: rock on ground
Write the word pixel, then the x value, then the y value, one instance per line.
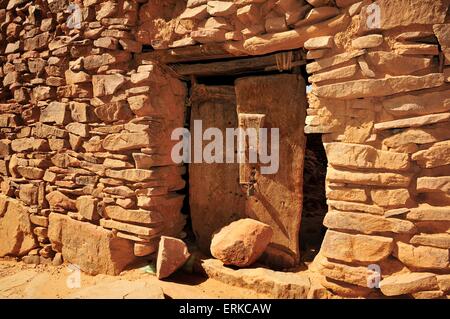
pixel 94 249
pixel 242 242
pixel 16 234
pixel 172 255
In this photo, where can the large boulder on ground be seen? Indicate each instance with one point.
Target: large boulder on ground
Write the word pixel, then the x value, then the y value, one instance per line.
pixel 94 249
pixel 172 255
pixel 242 242
pixel 16 233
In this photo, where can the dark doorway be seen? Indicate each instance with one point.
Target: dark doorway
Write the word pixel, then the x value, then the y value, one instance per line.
pixel 315 206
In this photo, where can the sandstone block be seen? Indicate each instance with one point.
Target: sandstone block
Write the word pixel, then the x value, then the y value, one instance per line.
pixel 436 155
pixel 366 223
pixel 46 131
pixel 172 255
pixel 368 41
pixel 141 105
pixel 28 145
pixel 347 194
pixel 433 184
pixel 374 179
pixel 109 43
pixel 28 193
pixel 106 9
pixel 133 229
pixel 413 121
pixel 444 282
pixel 422 257
pixel 319 43
pixel 87 207
pixel 393 63
pixel 39 220
pixel 78 129
pixel 241 243
pixel 403 284
pixel 391 197
pixel 360 207
pixel 107 84
pixel 341 73
pixel 55 112
pixel 425 135
pixel 326 63
pixel 413 12
pixel 132 175
pixel 420 104
pixel 16 234
pixel 197 13
pixel 434 240
pixel 316 15
pixel 32 173
pixel 152 218
pixel 100 253
pixel 144 249
pixel 379 87
pixel 416 49
pixel 126 141
pixel 355 275
pixel 76 77
pixel 356 248
pixel 428 213
pixel 249 14
pixel 362 156
pixel 221 8
pixel 59 201
pixel 114 111
pixel 276 24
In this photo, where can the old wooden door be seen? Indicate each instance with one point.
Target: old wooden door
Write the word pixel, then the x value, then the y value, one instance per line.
pixel 277 198
pixel 215 196
pixel 221 193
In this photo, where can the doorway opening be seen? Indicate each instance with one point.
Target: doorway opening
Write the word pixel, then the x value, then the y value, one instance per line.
pixel 315 206
pixel 215 194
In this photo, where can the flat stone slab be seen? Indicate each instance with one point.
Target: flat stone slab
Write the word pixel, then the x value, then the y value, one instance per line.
pixel 92 248
pixel 275 284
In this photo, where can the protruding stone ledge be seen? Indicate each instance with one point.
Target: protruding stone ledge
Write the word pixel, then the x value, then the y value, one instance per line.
pixel 94 249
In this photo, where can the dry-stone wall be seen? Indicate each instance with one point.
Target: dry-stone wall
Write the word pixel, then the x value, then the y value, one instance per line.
pixel 380 73
pixel 84 130
pixel 383 98
pixel 85 136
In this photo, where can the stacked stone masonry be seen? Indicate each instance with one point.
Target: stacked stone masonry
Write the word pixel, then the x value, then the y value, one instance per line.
pixel 85 136
pixel 380 98
pixel 85 129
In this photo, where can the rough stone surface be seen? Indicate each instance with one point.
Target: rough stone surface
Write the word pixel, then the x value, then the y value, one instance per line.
pixel 241 243
pixel 172 255
pixel 84 112
pixel 422 257
pixel 367 223
pixel 94 249
pixel 276 284
pixel 361 248
pixel 16 234
pixel 403 284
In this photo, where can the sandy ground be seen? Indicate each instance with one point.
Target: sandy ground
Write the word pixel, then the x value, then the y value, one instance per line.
pixel 19 280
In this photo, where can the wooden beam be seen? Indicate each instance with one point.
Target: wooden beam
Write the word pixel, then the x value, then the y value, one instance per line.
pixel 231 67
pixel 188 54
